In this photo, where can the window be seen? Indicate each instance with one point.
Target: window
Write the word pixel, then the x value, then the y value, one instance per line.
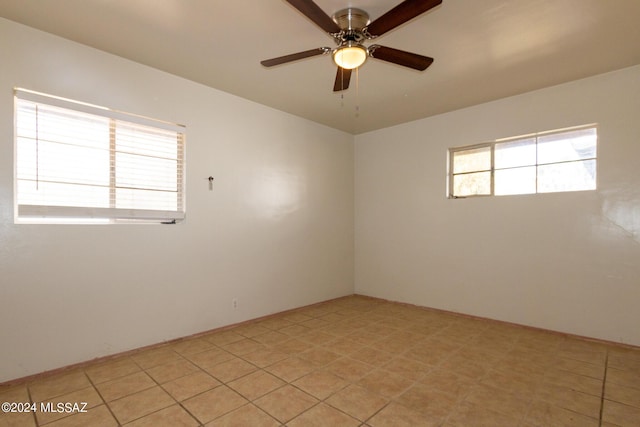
pixel 81 163
pixel 542 163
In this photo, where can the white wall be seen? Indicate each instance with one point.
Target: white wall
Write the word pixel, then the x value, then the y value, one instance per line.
pixel 276 232
pixel 568 262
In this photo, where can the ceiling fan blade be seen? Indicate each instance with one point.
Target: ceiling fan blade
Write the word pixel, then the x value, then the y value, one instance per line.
pixel 343 76
pixel 317 15
pixel 295 56
pixel 400 14
pixel 400 57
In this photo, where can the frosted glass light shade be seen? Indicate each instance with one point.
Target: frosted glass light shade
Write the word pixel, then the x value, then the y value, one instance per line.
pixel 350 57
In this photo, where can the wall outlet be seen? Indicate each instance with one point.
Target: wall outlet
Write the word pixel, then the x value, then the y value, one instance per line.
pixel 234 303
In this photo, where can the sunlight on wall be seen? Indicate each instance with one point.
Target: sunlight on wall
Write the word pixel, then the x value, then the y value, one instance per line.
pixel 278 193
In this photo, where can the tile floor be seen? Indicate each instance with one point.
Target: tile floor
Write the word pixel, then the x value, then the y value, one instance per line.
pixel 355 361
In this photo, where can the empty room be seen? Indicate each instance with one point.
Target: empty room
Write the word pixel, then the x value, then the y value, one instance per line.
pixel 320 213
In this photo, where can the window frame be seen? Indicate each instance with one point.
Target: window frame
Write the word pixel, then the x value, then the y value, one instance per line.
pixel 44 213
pixel 492 146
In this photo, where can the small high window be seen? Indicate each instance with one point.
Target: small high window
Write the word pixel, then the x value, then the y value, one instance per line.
pixel 542 163
pixel 78 163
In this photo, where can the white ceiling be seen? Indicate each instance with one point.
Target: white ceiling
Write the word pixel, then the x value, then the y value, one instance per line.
pixel 483 50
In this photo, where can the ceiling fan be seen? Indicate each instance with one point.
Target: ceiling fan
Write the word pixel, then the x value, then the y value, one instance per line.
pixel 349 28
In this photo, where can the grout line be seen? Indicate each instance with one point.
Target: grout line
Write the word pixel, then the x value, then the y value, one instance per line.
pixel 35 419
pixel 101 397
pixel 604 381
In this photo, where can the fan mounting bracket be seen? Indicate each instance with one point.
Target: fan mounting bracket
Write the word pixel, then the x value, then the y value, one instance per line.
pixel 352 22
pixel 351 18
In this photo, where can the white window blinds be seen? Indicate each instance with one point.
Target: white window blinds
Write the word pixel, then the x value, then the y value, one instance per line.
pixel 78 161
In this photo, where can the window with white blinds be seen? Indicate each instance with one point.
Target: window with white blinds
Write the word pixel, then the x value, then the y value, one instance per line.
pixel 82 163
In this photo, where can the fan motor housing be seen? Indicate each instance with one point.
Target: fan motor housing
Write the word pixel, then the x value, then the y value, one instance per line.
pixel 351 19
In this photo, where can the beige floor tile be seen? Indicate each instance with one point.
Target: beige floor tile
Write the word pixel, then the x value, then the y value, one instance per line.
pixel 573 381
pixel 513 363
pixel 385 383
pixel 320 384
pixel 256 384
pixel 466 368
pixel 245 416
pixel 371 356
pixel 285 403
pixel 342 346
pixel 190 385
pixel 192 346
pixel 172 370
pixel 315 323
pixel 209 358
pixel 426 354
pixel 173 416
pixel 468 414
pixel 275 323
pixel 399 342
pixel 425 399
pixel 624 358
pixel 349 369
pixel 17 419
pixel 515 383
pixel 323 415
pixel 231 370
pixel 296 317
pixel 332 318
pixel 449 382
pixel 581 368
pixel 154 357
pixel 319 356
pixel 58 385
pixel 396 415
pixel 542 356
pixel 500 401
pixel 18 393
pixel 295 330
pixel 124 386
pixel 623 394
pixel 96 417
pixel 319 310
pixel 596 357
pixel 572 400
pixel 140 404
pixel 111 370
pixel 79 401
pixel 623 377
pixel 272 338
pixel 620 414
pixel 294 346
pixel 317 337
pixel 265 357
pixel 244 346
pixel 223 337
pixel 544 414
pixel 357 402
pixel 214 403
pixel 407 368
pixel 475 356
pixel 352 361
pixel 363 338
pixel 250 330
pixel 291 369
pixel 380 330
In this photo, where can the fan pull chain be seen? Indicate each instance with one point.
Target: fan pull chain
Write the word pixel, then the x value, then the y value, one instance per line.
pixel 358 92
pixel 37 151
pixel 342 87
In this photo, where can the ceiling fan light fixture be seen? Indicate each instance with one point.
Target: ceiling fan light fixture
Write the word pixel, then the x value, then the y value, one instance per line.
pixel 350 56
